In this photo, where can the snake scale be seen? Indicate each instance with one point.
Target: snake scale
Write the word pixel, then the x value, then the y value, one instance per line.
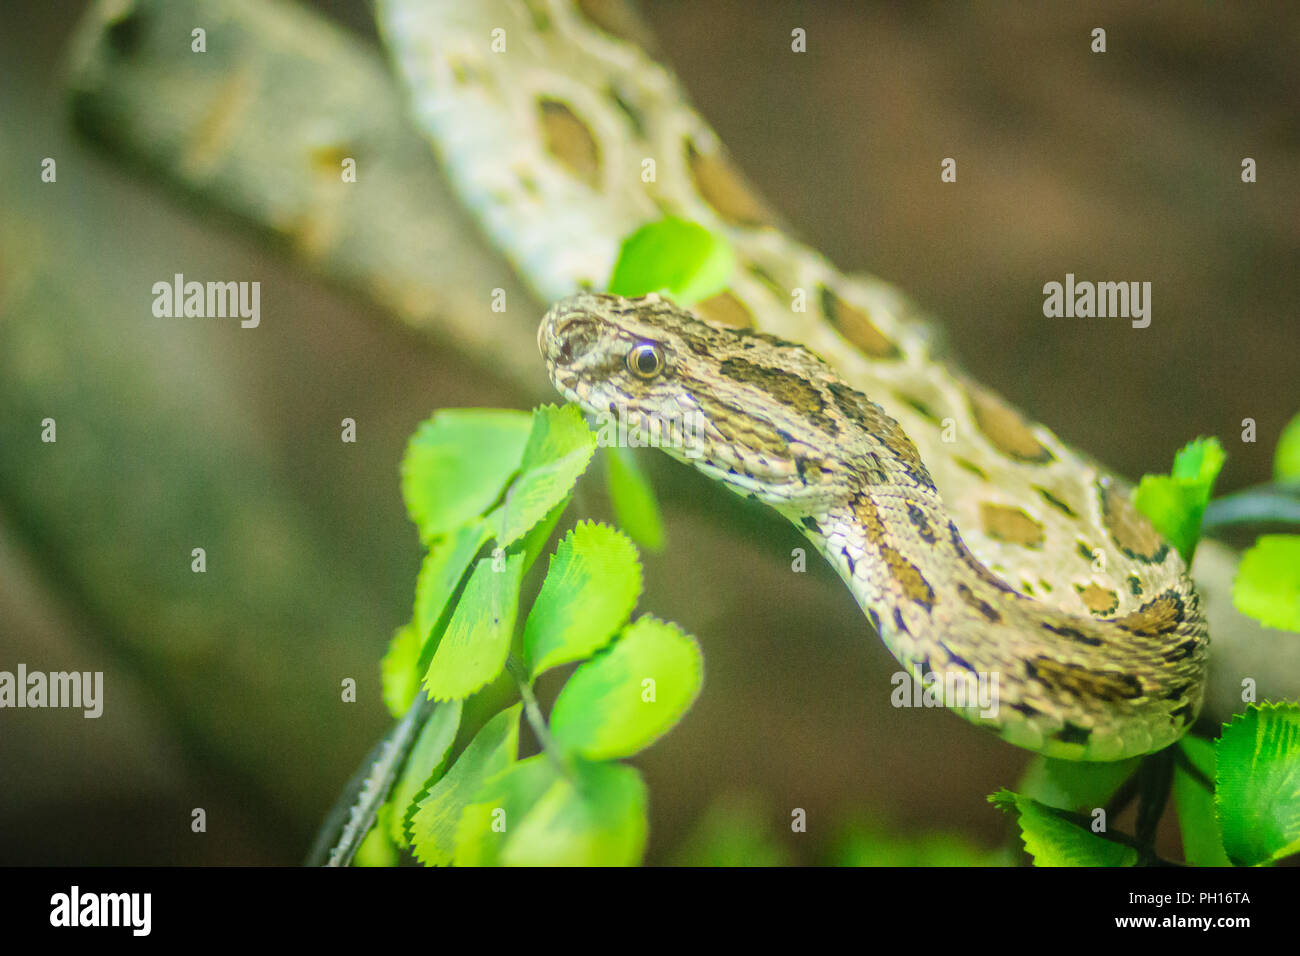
pixel 974 540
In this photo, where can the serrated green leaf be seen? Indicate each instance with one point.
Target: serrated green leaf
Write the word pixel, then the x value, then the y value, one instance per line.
pixel 680 258
pixel 456 464
pixel 441 573
pixel 633 499
pixel 1176 502
pixel 474 647
pixel 433 825
pixel 422 764
pixel 630 694
pixel 1286 460
pixel 533 543
pixel 1197 821
pixel 397 671
pixel 1257 792
pixel 500 806
pixel 559 447
pixel 591 586
pixel 1267 585
pixel 1054 841
pixel 599 821
pixel 1076 785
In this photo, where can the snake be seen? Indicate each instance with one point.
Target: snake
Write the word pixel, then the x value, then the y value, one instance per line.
pixel 974 539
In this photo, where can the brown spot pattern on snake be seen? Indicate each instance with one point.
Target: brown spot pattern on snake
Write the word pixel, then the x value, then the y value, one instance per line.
pixel 723 189
pixel 855 325
pixel 569 140
pixel 1012 525
pixel 725 309
pixel 1005 427
pixel 1128 527
pixel 1097 599
pixel 903 572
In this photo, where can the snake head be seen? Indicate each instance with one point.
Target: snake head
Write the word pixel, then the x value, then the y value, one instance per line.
pixel 748 409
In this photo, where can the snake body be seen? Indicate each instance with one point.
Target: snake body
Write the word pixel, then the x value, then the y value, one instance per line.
pixel 563 136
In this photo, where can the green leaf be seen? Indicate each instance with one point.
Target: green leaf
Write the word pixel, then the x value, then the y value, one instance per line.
pixel 499 808
pixel 635 508
pixel 533 543
pixel 1267 585
pixel 590 589
pixel 441 572
pixel 1054 841
pixel 1197 821
pixel 397 670
pixel 1286 461
pixel 1075 784
pixel 456 464
pixel 630 694
pixel 1257 791
pixel 680 258
pixel 377 849
pixel 474 647
pixel 1176 502
pixel 559 447
pixel 423 765
pixel 433 825
pixel 597 820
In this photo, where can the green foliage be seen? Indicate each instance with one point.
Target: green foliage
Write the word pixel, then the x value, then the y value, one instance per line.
pixel 1258 784
pixel 398 670
pixel 1176 502
pixel 480 804
pixel 1197 819
pixel 1053 839
pixel 559 447
pixel 593 816
pixel 425 762
pixel 474 647
pixel 590 589
pixel 1074 784
pixel 1267 585
pixel 456 464
pixel 633 500
pixel 1286 461
pixel 1238 799
pixel 676 257
pixel 631 694
pixel 436 817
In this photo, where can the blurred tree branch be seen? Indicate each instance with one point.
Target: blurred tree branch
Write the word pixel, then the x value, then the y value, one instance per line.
pixel 258 126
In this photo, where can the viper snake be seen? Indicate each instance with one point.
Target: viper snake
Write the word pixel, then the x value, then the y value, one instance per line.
pixel 976 542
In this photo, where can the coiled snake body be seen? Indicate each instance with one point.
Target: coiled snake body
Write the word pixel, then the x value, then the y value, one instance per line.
pixel 564 136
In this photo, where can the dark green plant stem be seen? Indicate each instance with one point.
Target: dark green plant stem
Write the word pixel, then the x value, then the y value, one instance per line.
pixel 1156 776
pixel 353 814
pixel 1184 763
pixel 1122 797
pixel 533 712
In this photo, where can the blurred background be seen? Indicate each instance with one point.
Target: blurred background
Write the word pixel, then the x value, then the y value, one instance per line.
pixel 222 689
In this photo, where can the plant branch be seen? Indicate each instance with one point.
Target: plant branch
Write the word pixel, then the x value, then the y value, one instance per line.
pixel 533 712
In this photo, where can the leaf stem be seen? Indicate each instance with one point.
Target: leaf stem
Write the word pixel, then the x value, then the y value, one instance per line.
pixel 533 712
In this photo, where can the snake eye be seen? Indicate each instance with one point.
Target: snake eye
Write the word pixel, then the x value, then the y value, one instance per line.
pixel 645 360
